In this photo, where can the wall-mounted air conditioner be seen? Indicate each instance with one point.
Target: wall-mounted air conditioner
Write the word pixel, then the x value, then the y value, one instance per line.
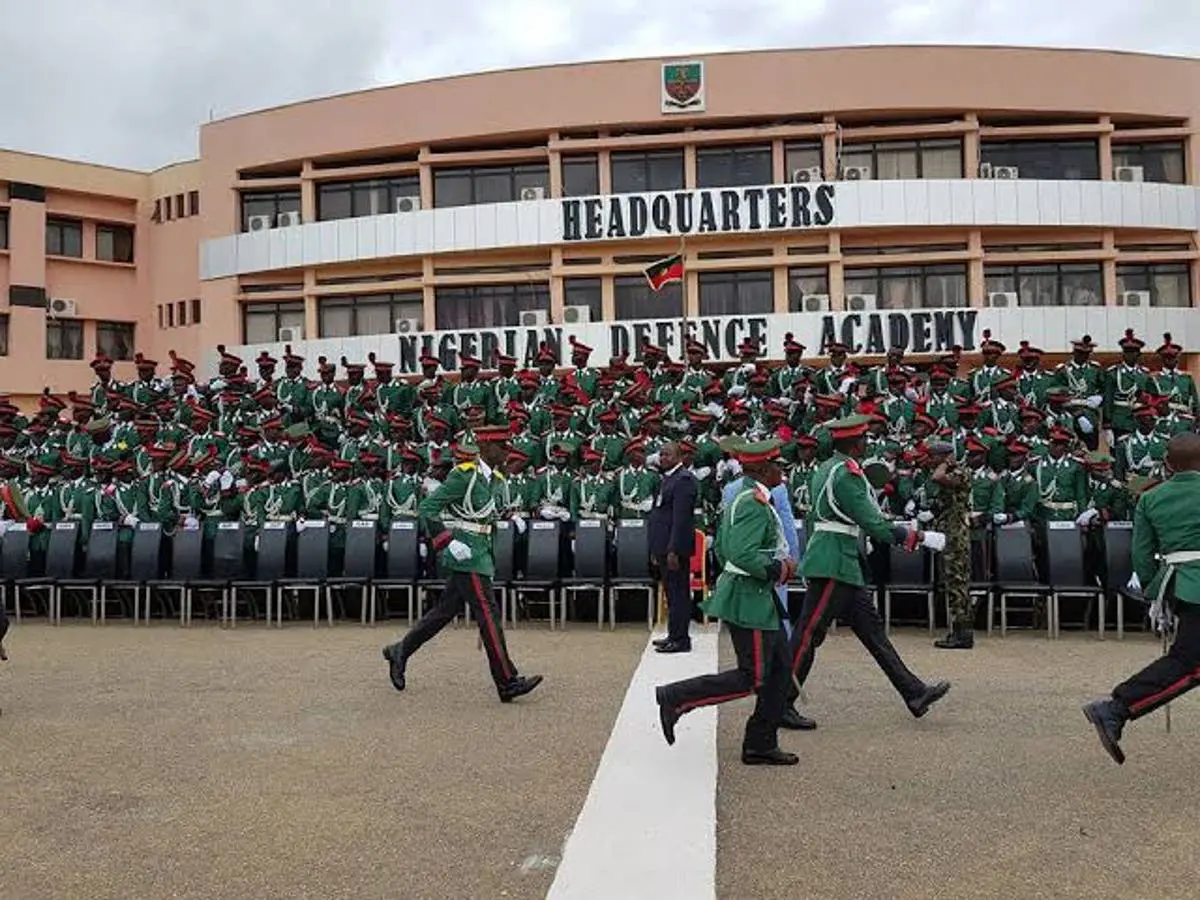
pixel 290 334
pixel 288 219
pixel 259 223
pixel 1002 299
pixel 860 302
pixel 577 315
pixel 533 318
pixel 408 326
pixel 856 173
pixel 533 193
pixel 1133 298
pixel 806 176
pixel 1129 173
pixel 408 204
pixel 811 303
pixel 59 306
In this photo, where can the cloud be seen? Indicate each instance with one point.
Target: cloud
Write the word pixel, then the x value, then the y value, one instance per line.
pixel 128 82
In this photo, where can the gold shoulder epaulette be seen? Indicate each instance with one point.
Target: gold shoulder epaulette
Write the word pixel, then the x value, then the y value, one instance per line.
pixel 465 466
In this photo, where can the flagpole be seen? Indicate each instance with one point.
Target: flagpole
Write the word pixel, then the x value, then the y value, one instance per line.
pixel 683 334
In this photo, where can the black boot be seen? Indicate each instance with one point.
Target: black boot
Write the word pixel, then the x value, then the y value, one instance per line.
pixel 519 687
pixel 772 757
pixel 793 721
pixel 1108 717
pixel 957 639
pixel 667 715
pixel 394 654
pixel 919 705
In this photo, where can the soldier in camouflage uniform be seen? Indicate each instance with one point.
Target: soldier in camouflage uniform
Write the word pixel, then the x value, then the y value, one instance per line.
pixel 953 503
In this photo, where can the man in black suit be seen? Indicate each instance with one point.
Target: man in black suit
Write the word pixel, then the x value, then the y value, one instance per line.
pixel 672 537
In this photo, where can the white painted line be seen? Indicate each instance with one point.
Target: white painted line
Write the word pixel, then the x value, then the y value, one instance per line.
pixel 648 829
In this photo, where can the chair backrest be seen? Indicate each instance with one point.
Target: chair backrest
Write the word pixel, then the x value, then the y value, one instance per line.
pixel 270 564
pixel 362 542
pixel 229 552
pixel 545 541
pixel 504 551
pixel 403 563
pixel 698 563
pixel 1013 559
pixel 633 550
pixel 1064 557
pixel 100 561
pixel 591 549
pixel 312 551
pixel 187 554
pixel 1118 553
pixel 14 552
pixel 62 551
pixel 907 569
pixel 144 555
pixel 983 553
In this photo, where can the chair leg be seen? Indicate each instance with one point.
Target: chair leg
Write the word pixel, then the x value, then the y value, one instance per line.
pixel 991 611
pixel 1051 614
pixel 1120 617
pixel 1003 614
pixel 329 606
pixel 887 611
pixel 1101 603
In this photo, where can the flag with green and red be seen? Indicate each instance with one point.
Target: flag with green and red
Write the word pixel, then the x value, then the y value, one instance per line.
pixel 665 271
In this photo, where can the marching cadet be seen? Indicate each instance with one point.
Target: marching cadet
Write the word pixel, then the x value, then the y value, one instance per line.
pixel 697 378
pixel 984 378
pixel 1124 383
pixel 459 519
pixel 552 488
pixel 1142 451
pixel 505 387
pixel 582 377
pixel 1179 387
pixel 393 396
pixel 1166 560
pixel 1061 481
pixel 293 392
pixel 837 377
pixel 636 486
pixel 800 475
pixel 608 443
pixel 1020 488
pixel 403 489
pixel 1032 379
pixel 591 494
pixel 942 403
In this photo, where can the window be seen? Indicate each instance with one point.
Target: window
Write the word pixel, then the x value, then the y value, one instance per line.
pixel 1054 160
pixel 804 282
pixel 1158 162
pixel 167 208
pixel 633 299
pixel 737 293
pixel 170 315
pixel 910 287
pixel 64 237
pixel 487 305
pixel 584 292
pixel 193 203
pixel 1068 284
pixel 179 208
pixel 350 199
pixel 733 166
pixel 115 339
pixel 581 176
pixel 1167 283
pixel 3 229
pixel 181 312
pixel 64 339
pixel 196 311
pixel 906 159
pixel 488 184
pixel 635 172
pixel 4 335
pixel 162 316
pixel 114 243
pixel 261 321
pixel 802 156
pixel 370 314
pixel 267 203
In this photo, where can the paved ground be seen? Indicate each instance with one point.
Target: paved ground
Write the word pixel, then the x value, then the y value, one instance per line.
pixel 1001 792
pixel 203 764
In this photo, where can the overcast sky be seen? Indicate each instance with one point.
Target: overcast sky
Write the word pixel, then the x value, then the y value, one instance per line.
pixel 127 82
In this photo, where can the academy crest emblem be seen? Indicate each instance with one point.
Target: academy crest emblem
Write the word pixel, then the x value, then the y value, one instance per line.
pixel 683 87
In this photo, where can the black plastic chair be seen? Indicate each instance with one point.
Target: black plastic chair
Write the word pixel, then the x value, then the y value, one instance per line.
pixel 1016 574
pixel 358 568
pixel 312 567
pixel 145 554
pixel 1118 555
pixel 631 568
pixel 908 574
pixel 504 556
pixel 591 565
pixel 1067 573
pixel 270 565
pixel 542 565
pixel 228 565
pixel 62 556
pixel 402 568
pixel 186 568
pixel 14 565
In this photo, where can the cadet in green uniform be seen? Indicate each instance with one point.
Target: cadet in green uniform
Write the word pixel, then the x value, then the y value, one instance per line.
pixel 403 490
pixel 636 486
pixel 1020 488
pixel 42 511
pixel 1142 451
pixel 122 502
pixel 941 404
pixel 835 378
pixel 1178 387
pixel 1166 561
pixel 984 378
pixel 293 392
pixel 842 510
pixel 608 443
pixel 582 376
pixel 696 378
pixel 459 518
pixel 591 493
pixel 1032 379
pixel 1061 481
pixel 1124 383
pixel 753 553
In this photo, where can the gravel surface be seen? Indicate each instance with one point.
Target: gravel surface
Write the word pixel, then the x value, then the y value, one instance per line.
pixel 160 763
pixel 1001 791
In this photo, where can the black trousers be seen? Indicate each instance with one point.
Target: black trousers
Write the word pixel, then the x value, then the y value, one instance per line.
pixel 762 669
pixel 1168 676
pixel 678 588
pixel 466 589
pixel 826 599
pixel 3 620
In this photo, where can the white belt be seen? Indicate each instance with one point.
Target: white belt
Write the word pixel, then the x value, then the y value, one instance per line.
pixel 469 527
pixel 838 528
pixel 735 570
pixel 1181 557
pixel 1049 505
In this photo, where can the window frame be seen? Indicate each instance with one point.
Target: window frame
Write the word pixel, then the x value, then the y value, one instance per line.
pixel 918 146
pixel 643 299
pixel 736 154
pixel 645 160
pixel 1140 151
pixel 735 280
pixel 193 203
pixel 62 326
pixel 359 191
pixel 196 306
pixel 5 325
pixel 115 331
pixel 115 229
pixel 1005 153
pixel 3 229
pixel 518 175
pixel 1019 273
pixel 280 201
pixel 278 309
pixel 585 285
pixel 1151 271
pixel 523 297
pixel 885 275
pixel 62 226
pixel 796 275
pixel 394 301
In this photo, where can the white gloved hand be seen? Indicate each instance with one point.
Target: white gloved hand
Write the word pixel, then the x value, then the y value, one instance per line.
pixel 564 515
pixel 708 542
pixel 190 522
pixel 130 520
pixel 548 513
pixel 924 516
pixel 999 518
pixel 652 460
pixel 301 524
pixel 911 394
pixel 257 540
pixel 1108 436
pixel 934 540
pixel 910 508
pixel 386 544
pixel 1134 584
pixel 1094 401
pixel 519 524
pixel 226 480
pixel 241 483
pixel 4 523
pixel 1086 516
pixel 646 505
pixel 748 368
pixel 722 469
pixel 458 550
pixel 847 383
pixel 716 410
pixel 737 390
pixel 702 473
pixel 211 478
pixel 422 551
pixel 1161 618
pixel 1085 424
pixel 429 485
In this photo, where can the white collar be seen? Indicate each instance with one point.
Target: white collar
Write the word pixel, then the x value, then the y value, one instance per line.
pixel 484 468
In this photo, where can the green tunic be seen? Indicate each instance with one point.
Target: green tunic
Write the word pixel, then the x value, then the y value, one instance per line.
pixel 983 379
pixel 402 497
pixel 1123 384
pixel 463 509
pixel 1179 388
pixel 1062 489
pixel 591 497
pixel 635 491
pixel 1032 386
pixel 1165 523
pixel 1140 454
pixel 749 545
pixel 1020 494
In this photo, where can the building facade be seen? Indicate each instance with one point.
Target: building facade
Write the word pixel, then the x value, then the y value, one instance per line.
pixel 879 195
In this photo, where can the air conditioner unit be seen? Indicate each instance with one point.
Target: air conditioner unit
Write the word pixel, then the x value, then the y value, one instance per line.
pixel 985 170
pixel 1133 298
pixel 288 219
pixel 408 326
pixel 1129 173
pixel 1005 173
pixel 577 315
pixel 856 173
pixel 259 223
pixel 860 302
pixel 408 204
pixel 533 193
pixel 1002 299
pixel 290 334
pixel 58 306
pixel 812 303
pixel 534 318
pixel 805 176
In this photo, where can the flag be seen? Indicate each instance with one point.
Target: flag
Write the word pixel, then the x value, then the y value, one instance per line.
pixel 660 274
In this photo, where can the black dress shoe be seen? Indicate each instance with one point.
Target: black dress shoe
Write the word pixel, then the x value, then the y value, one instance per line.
pixel 658 642
pixel 519 687
pixel 674 647
pixel 920 704
pixel 667 715
pixel 1109 722
pixel 775 757
pixel 396 663
pixel 793 721
pixel 957 639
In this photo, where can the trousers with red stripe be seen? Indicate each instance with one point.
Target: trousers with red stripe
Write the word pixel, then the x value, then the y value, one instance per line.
pixel 1168 676
pixel 466 589
pixel 762 669
pixel 825 599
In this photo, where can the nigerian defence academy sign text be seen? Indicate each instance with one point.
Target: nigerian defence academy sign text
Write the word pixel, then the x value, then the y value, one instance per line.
pixel 708 211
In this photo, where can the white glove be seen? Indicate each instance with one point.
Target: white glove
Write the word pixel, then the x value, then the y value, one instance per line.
pixel 190 523
pixel 737 390
pixel 999 518
pixel 301 524
pixel 1108 436
pixel 241 483
pixel 1085 424
pixel 652 460
pixel 422 551
pixel 910 508
pixel 748 368
pixel 226 480
pixel 716 410
pixel 429 485
pixel 722 469
pixel 1161 618
pixel 847 383
pixel 386 545
pixel 564 515
pixel 459 550
pixel 702 473
pixel 4 523
pixel 547 512
pixel 257 539
pixel 1086 516
pixel 924 516
pixel 910 394
pixel 211 478
pixel 1094 401
pixel 934 540
pixel 217 384
pixel 519 524
pixel 646 505
pixel 708 542
pixel 130 520
pixel 1134 584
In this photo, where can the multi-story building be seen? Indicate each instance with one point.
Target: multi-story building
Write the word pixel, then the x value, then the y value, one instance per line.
pixel 913 195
